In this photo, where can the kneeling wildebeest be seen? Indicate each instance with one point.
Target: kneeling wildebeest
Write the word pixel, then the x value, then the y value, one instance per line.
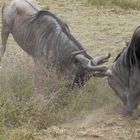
pixel 46 38
pixel 124 75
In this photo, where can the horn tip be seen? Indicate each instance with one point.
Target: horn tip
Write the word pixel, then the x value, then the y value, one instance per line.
pixel 109 55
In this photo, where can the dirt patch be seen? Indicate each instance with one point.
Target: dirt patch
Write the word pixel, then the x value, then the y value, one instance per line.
pixel 98 125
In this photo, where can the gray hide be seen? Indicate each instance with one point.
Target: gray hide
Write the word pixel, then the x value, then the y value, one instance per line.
pixel 124 75
pixel 47 39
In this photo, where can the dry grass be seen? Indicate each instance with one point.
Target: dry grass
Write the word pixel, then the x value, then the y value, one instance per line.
pixel 22 113
pixel 125 4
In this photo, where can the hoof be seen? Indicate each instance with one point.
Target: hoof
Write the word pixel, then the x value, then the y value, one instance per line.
pixel 127 113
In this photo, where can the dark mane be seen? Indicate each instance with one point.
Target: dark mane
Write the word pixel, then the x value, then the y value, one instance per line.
pixel 63 25
pixel 133 53
pixel 43 13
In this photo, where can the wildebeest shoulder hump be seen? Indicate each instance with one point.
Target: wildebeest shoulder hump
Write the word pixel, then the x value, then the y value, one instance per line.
pixel 64 26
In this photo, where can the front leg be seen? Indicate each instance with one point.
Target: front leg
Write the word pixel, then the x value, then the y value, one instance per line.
pixel 132 103
pixel 4 36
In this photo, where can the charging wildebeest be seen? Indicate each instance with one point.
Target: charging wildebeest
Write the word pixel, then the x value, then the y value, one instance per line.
pixel 46 38
pixel 124 75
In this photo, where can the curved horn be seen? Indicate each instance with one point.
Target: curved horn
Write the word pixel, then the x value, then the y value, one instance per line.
pixel 78 52
pixel 100 59
pixel 86 63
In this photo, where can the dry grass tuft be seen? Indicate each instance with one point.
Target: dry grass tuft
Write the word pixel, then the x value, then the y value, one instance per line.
pixel 125 4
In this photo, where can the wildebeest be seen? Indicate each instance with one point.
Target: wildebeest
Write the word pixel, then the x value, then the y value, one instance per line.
pixel 124 75
pixel 46 38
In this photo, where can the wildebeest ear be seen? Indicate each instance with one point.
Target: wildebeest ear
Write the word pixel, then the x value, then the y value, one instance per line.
pixel 107 73
pixel 127 43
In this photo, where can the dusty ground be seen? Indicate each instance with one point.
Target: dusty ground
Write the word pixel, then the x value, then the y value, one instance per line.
pixel 100 31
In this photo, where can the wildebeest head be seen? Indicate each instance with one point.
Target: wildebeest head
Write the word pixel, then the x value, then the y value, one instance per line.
pixel 48 39
pixel 124 75
pixel 89 67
